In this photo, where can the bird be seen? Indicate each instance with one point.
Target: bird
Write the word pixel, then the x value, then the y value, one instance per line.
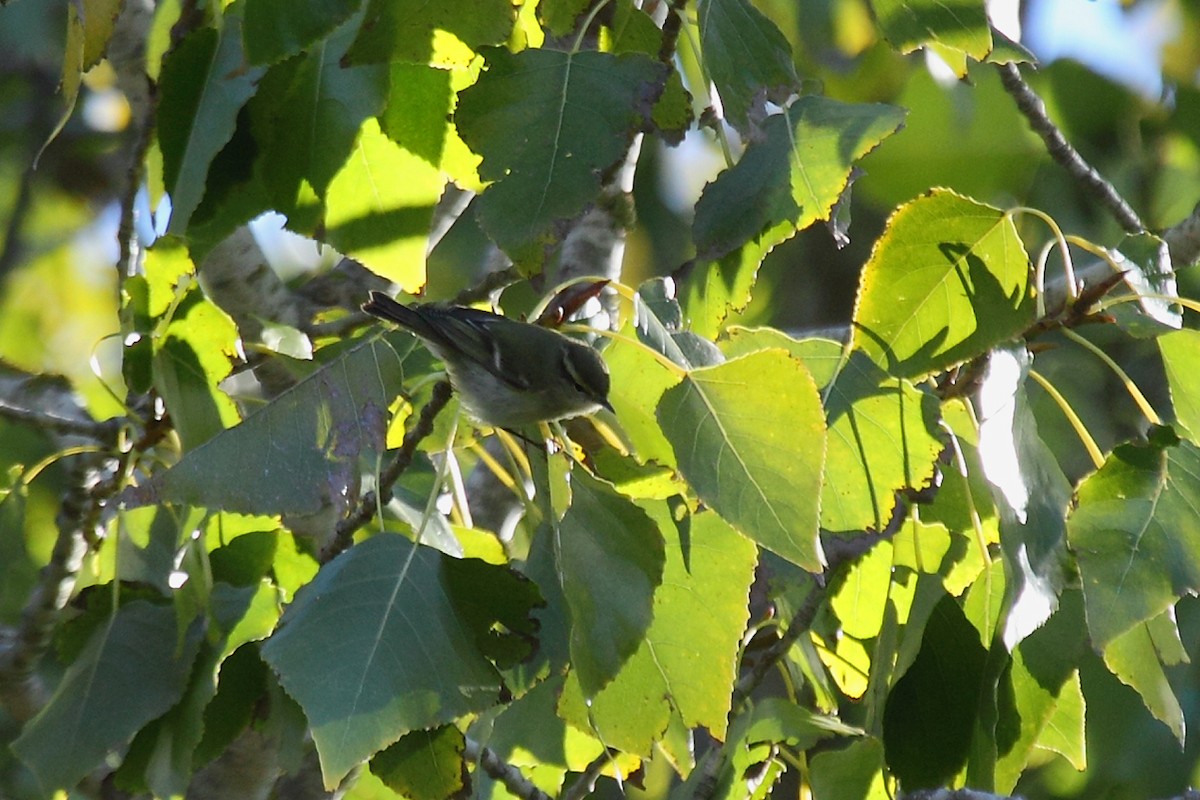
pixel 507 374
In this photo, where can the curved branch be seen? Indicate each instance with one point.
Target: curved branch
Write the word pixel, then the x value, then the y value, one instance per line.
pixel 1061 150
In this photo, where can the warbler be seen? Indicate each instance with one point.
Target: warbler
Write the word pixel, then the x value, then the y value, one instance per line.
pixel 506 373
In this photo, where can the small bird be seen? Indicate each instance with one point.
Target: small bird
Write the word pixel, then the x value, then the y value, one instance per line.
pixel 507 373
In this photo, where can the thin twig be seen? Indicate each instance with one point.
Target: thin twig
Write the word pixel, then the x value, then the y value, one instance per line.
pixel 395 468
pixel 1061 150
pixel 493 281
pixel 586 784
pixel 501 771
pixel 103 432
pixel 21 691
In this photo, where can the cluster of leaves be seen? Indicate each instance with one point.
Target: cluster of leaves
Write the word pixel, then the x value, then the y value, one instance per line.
pixel 962 574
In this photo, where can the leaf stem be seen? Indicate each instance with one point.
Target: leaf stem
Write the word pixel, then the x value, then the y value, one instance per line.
pixel 1061 240
pixel 1081 430
pixel 1130 386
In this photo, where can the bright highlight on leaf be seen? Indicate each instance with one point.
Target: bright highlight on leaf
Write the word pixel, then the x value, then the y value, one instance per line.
pixel 948 279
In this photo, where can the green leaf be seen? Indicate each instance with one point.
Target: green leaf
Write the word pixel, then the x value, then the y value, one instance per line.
pixel 749 436
pixel 128 673
pixel 203 85
pixel 881 439
pixel 425 765
pixel 276 29
pixel 777 720
pixel 418 117
pixel 1181 358
pixel 791 174
pixel 242 686
pixel 747 57
pixel 609 560
pixel 1136 534
pixel 193 356
pixel 930 713
pixel 547 124
pixel 1137 660
pixel 854 772
pixel 700 614
pixel 406 659
pixel 1047 706
pixel 530 735
pixel 379 219
pixel 408 30
pixel 304 449
pixel 1030 491
pixel 948 280
pixel 1145 261
pixel 638 382
pixel 953 29
pixel 659 321
pixel 726 286
pixel 166 750
pixel 316 120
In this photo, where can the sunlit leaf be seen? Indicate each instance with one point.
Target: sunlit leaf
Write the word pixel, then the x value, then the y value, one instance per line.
pixel 407 656
pixel 408 30
pixel 948 279
pixel 699 617
pixel 721 287
pixel 791 174
pixel 952 29
pixel 425 765
pixel 1146 263
pixel 729 31
pixel 191 358
pixel 881 439
pixel 419 117
pixel 380 219
pixel 316 118
pixel 1136 534
pixel 638 382
pixel 1181 358
pixel 1133 657
pixel 129 672
pixel 749 436
pixel 854 772
pixel 547 123
pixel 1046 706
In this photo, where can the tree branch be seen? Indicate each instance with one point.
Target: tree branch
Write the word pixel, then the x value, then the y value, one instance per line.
pixel 501 771
pixel 391 473
pixel 1061 150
